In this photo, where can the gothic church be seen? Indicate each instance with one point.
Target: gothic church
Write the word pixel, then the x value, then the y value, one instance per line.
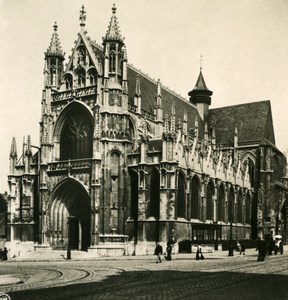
pixel 123 161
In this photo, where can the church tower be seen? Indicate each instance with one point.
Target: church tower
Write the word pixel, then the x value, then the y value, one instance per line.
pixel 54 58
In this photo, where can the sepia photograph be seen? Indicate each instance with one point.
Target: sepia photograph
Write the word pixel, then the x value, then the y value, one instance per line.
pixel 144 149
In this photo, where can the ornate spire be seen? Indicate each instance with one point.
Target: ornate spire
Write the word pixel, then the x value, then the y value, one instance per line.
pixel 13 150
pixel 82 17
pixel 28 151
pixel 55 47
pixel 113 32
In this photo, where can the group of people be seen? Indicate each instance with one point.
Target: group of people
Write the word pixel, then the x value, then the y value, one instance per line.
pixel 168 255
pixel 268 246
pixel 159 251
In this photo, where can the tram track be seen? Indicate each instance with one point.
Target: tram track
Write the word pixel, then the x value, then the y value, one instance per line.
pixel 136 278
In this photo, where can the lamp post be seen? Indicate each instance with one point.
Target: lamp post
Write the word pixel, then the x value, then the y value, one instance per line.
pixel 69 242
pixel 230 253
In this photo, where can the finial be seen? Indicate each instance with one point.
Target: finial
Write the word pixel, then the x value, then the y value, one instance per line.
pixel 55 26
pixel 201 61
pixel 158 87
pixel 82 17
pixel 114 9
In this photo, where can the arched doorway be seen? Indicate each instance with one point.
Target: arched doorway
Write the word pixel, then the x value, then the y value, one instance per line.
pixel 70 216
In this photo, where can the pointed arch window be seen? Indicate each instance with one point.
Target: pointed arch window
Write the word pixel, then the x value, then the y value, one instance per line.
pixel 251 170
pixel 134 195
pixel 76 136
pixel 195 198
pixel 231 199
pixel 112 58
pixel 53 75
pixel 240 207
pixel 154 204
pixel 92 77
pixel 81 79
pixel 221 203
pixel 209 201
pixel 248 209
pixel 181 199
pixel 68 81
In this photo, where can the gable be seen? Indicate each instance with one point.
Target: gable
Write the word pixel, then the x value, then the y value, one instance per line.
pixel 253 122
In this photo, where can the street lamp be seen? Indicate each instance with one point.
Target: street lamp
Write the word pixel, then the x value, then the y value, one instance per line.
pixel 68 243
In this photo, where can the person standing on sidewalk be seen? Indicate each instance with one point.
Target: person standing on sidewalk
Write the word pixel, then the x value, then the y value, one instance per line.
pixel 243 248
pixel 199 254
pixel 158 252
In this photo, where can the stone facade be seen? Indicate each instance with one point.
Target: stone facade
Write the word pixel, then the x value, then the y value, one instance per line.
pixel 124 161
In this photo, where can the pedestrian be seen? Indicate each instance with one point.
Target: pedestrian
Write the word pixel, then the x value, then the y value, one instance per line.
pixel 199 254
pixel 243 248
pixel 238 245
pixel 168 251
pixel 158 252
pixel 261 247
pixel 281 249
pixel 277 244
pixel 5 254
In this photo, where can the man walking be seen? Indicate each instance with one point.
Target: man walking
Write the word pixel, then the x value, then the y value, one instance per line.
pixel 158 252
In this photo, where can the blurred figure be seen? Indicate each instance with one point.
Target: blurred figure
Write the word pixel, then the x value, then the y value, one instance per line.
pixel 199 254
pixel 5 254
pixel 158 252
pixel 243 248
pixel 281 248
pixel 168 251
pixel 261 247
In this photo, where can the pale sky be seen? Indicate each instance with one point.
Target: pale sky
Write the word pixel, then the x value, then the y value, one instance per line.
pixel 244 44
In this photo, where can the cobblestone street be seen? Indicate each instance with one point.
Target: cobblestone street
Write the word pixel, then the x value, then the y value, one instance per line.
pixel 216 277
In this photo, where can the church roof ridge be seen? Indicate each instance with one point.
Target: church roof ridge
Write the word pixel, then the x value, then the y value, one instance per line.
pixel 245 103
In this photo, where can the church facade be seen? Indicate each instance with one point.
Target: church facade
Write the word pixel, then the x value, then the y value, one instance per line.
pixel 123 161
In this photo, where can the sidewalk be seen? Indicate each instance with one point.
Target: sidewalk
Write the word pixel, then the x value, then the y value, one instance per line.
pixel 84 256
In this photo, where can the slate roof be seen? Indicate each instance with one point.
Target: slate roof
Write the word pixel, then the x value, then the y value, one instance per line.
pixel 253 121
pixel 148 93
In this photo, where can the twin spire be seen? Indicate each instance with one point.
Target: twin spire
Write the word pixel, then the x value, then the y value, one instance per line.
pixel 113 32
pixel 55 47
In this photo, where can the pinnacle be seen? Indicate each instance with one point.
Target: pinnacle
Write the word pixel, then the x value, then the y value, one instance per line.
pixel 113 32
pixel 13 149
pixel 55 47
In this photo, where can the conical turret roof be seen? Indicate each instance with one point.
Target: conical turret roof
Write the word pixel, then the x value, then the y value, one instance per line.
pixel 200 84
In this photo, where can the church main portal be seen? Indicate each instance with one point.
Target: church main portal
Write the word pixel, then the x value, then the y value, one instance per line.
pixel 70 216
